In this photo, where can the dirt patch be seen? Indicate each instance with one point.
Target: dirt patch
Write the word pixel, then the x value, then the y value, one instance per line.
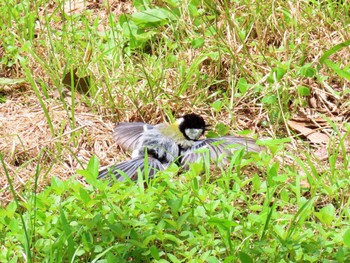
pixel 29 143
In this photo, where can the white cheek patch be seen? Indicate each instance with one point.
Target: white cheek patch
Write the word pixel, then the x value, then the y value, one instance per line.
pixel 193 134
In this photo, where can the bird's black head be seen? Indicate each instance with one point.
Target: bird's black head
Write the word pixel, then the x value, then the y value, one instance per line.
pixel 192 126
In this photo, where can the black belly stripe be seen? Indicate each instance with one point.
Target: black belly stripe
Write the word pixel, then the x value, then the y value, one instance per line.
pixel 152 152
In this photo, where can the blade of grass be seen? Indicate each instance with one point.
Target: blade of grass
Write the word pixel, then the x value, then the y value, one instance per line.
pixel 297 217
pixel 27 244
pixel 333 50
pixel 267 221
pixel 29 77
pixel 68 232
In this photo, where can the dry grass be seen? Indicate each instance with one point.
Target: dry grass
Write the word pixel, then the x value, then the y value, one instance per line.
pixel 25 134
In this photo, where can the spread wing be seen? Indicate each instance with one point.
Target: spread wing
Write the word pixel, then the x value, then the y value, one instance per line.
pixel 217 147
pixel 130 168
pixel 128 134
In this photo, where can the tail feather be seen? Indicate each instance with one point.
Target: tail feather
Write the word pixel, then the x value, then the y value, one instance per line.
pixel 130 168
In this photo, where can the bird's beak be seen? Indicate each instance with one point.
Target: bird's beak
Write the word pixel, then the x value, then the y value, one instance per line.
pixel 206 127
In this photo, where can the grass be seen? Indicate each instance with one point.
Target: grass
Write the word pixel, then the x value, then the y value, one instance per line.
pixel 247 67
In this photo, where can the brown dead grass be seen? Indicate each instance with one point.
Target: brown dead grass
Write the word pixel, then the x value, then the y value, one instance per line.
pixel 25 134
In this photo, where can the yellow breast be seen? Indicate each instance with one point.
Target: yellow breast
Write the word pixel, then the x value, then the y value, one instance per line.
pixel 172 132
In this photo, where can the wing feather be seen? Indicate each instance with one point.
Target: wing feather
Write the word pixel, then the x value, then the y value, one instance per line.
pixel 128 135
pixel 217 148
pixel 129 169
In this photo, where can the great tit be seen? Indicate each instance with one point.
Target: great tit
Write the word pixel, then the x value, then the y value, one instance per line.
pixel 164 144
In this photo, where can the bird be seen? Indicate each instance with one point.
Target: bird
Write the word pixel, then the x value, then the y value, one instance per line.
pixel 155 147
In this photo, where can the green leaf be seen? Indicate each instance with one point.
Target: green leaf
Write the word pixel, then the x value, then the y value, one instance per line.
pixel 93 165
pixel 11 209
pixel 242 85
pixel 270 142
pixel 154 252
pixel 284 195
pixel 198 42
pixel 217 105
pixel 212 259
pixel 182 219
pixel 272 172
pixel 196 168
pixel 256 182
pixel 173 258
pixel 326 214
pixel 130 29
pixel 269 99
pixel 307 71
pixel 222 129
pixel 141 4
pixel 84 195
pixel 281 178
pixel 273 144
pixel 173 3
pixel 172 237
pixel 245 133
pixel 175 204
pixel 276 74
pixel 13 225
pixel 222 222
pixel 212 134
pixel 346 238
pixel 91 173
pixel 214 56
pixel 153 17
pixel 57 185
pixel 193 10
pixel 195 180
pixel 245 258
pixel 123 18
pixel 303 91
